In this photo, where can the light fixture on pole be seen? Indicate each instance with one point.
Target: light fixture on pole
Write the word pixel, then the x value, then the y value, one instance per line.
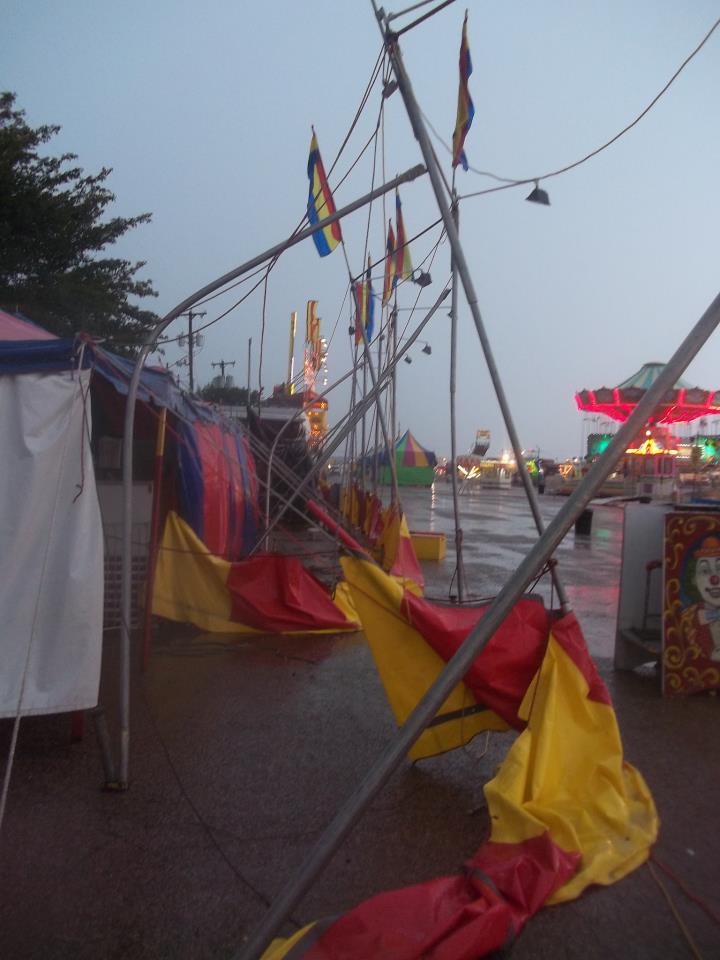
pixel 427 349
pixel 538 195
pixel 422 278
pixel 389 88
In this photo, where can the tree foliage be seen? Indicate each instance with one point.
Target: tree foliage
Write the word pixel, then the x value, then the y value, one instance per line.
pixel 52 231
pixel 228 396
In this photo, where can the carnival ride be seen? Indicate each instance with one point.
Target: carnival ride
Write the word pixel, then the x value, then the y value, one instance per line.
pixel 652 462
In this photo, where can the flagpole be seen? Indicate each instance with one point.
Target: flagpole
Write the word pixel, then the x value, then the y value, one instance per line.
pixel 376 437
pixel 459 566
pixel 421 136
pixel 378 404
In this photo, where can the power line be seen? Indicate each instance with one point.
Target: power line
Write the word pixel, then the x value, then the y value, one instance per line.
pixel 508 182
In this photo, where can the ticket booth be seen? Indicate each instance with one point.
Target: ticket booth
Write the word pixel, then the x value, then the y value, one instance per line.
pixel 669 604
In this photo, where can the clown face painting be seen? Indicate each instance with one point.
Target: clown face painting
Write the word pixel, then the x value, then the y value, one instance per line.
pixel 691 603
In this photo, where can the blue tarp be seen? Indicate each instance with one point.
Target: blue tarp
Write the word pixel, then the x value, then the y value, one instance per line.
pixel 39 356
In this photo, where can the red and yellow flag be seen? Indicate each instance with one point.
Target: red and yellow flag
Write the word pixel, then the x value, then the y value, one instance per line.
pixel 465 107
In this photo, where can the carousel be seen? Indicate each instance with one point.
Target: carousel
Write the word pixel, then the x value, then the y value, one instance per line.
pixel 653 462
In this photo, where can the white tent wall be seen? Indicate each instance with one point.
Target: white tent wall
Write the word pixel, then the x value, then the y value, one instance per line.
pixel 51 587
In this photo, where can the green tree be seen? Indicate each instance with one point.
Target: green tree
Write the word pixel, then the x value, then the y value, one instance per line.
pixel 52 232
pixel 228 396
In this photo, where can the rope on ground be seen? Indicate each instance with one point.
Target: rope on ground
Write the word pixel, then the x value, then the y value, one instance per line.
pixel 680 922
pixel 714 916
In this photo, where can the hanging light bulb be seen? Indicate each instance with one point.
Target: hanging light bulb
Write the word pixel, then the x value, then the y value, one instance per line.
pixel 389 88
pixel 538 195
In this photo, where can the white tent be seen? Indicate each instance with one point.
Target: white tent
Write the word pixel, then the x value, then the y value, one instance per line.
pixel 51 588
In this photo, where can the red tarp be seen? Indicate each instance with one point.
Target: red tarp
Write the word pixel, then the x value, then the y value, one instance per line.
pixel 501 674
pixel 277 594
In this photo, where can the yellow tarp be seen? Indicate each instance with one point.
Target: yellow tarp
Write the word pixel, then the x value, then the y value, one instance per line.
pixel 563 777
pixel 406 664
pixel 565 773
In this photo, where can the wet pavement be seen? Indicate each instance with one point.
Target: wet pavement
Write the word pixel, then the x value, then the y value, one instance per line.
pixel 244 749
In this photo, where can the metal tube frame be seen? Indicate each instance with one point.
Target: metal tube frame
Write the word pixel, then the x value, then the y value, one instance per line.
pixel 127 473
pixel 455 669
pixel 535 560
pixel 354 417
pixel 460 262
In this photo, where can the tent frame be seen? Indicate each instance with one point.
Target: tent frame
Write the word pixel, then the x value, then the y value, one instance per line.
pixel 550 538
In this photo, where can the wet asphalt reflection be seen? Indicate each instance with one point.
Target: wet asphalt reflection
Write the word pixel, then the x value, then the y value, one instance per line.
pixel 499 530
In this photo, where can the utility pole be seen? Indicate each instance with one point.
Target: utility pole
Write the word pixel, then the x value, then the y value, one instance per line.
pixel 222 364
pixel 191 343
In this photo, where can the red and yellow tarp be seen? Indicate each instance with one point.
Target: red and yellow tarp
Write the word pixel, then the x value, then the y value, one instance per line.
pixel 267 593
pixel 566 810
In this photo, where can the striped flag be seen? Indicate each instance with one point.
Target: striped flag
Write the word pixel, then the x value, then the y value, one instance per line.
pixel 364 307
pixel 389 284
pixel 465 108
pixel 320 202
pixel 403 263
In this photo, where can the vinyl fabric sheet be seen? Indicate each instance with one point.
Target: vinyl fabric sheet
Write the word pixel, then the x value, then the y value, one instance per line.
pixel 51 591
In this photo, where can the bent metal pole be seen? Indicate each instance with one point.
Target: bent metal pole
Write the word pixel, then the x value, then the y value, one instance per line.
pixel 150 341
pixel 460 263
pixel 353 417
pixel 476 640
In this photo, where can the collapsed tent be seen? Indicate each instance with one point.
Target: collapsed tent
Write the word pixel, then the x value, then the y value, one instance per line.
pixel 208 475
pixel 51 597
pixel 415 466
pixel 266 593
pixel 565 809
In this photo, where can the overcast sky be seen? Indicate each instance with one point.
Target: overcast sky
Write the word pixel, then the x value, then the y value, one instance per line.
pixel 204 114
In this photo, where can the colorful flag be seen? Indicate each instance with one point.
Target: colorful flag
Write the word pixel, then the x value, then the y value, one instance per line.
pixel 313 347
pixel 320 203
pixel 364 307
pixel 389 284
pixel 465 108
pixel 403 263
pixel 312 324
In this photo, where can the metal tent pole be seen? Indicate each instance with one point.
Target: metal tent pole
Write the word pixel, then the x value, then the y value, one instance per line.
pixel 353 418
pixel 459 260
pixel 476 640
pixel 127 472
pixel 453 426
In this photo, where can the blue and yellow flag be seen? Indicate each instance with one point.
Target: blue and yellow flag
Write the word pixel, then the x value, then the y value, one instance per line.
pixel 465 108
pixel 320 203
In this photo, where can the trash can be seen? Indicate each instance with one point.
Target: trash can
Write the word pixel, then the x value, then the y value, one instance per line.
pixel 583 524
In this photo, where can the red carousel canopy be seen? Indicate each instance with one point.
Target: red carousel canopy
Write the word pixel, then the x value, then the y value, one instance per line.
pixel 679 405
